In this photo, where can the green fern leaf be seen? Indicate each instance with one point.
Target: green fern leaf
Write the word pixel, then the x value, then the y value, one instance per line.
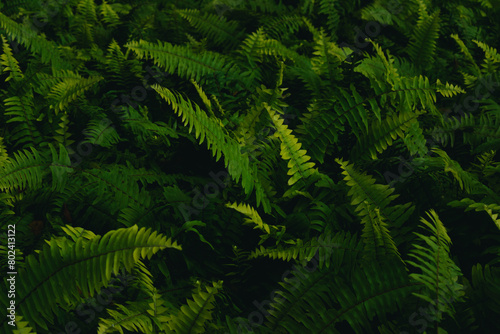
pixel 181 59
pixel 370 291
pixel 328 8
pixel 101 133
pixel 69 89
pixel 64 268
pixel 439 273
pixel 192 317
pixel 331 251
pixel 493 210
pixel 48 51
pixel 254 217
pixel 216 28
pixel 109 15
pixel 368 196
pixel 218 141
pixel 298 167
pixel 22 327
pixel 9 63
pixel 382 134
pixel 20 110
pixel 423 42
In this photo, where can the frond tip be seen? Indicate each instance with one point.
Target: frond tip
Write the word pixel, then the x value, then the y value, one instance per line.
pixel 253 215
pixel 439 273
pixel 298 165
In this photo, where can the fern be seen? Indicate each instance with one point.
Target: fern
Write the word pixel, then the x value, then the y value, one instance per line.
pixel 26 169
pixel 180 59
pixel 492 210
pixel 467 181
pixel 84 183
pixel 253 215
pixel 491 59
pixel 283 26
pixel 101 133
pixel 364 190
pixel 4 155
pixel 69 89
pixel 20 110
pixel 64 267
pixel 330 251
pixel 9 63
pixel 364 295
pixel 191 318
pixel 63 135
pixel 22 327
pixel 109 15
pixel 327 7
pixel 298 166
pixel 423 43
pixel 47 50
pixel 439 273
pixel 382 134
pixel 131 317
pixel 218 141
pixel 216 28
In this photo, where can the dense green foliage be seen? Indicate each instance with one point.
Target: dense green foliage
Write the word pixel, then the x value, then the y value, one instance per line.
pixel 230 166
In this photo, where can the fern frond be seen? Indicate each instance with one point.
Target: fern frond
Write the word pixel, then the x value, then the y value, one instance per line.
pixel 23 170
pixel 282 26
pixel 22 327
pixel 341 249
pixel 254 217
pixel 69 89
pixel 328 57
pixel 217 28
pixel 218 141
pixel 192 317
pixel 109 15
pixel 20 110
pixel 64 268
pixel 122 70
pixel 252 44
pixel 48 51
pixel 466 52
pixel 486 293
pixel 130 317
pixel 101 132
pixel 4 155
pixel 370 291
pixel 382 134
pixel 272 47
pixel 298 165
pixel 328 8
pixel 379 245
pixel 181 59
pixel 85 22
pixel 62 135
pixel 363 190
pixel 466 180
pixel 448 90
pixel 414 92
pixel 491 59
pixel 8 63
pixel 439 273
pixel 415 141
pixel 378 12
pixel 423 42
pixel 144 129
pixel 493 210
